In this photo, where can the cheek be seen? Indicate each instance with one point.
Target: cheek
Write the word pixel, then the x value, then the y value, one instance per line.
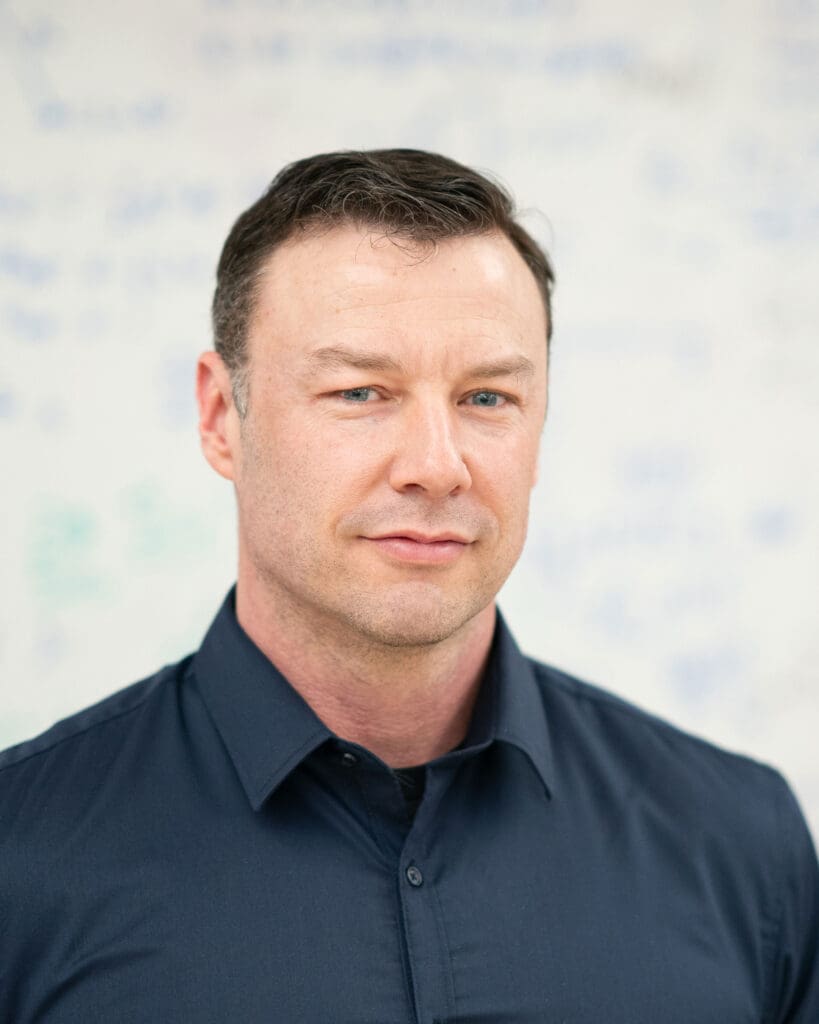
pixel 504 474
pixel 303 471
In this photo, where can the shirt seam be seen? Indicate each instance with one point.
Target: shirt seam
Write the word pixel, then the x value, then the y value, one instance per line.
pixel 771 953
pixel 418 994
pixel 76 735
pixel 574 688
pixel 407 947
pixel 450 959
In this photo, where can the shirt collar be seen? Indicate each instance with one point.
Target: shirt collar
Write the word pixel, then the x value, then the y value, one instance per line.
pixel 268 729
pixel 510 706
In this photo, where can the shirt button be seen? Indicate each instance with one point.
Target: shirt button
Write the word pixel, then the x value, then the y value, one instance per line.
pixel 349 760
pixel 414 876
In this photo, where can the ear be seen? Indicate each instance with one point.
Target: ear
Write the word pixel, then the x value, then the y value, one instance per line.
pixel 218 416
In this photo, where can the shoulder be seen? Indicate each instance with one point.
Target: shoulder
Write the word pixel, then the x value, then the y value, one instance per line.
pixel 88 737
pixel 74 798
pixel 733 822
pixel 645 757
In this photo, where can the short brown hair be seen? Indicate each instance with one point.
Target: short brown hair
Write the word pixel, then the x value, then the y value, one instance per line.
pixel 408 193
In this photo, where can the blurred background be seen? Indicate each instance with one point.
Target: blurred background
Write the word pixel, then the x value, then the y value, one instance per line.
pixel 667 156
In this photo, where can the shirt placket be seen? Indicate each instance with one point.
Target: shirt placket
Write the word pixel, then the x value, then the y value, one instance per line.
pixel 408 854
pixel 418 878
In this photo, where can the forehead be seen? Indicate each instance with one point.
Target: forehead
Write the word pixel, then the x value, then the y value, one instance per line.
pixel 355 282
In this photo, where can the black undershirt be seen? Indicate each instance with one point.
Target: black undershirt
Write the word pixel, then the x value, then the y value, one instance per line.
pixel 412 782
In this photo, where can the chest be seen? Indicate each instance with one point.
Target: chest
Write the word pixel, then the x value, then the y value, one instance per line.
pixel 313 911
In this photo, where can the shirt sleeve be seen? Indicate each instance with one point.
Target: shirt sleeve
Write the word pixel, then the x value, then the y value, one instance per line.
pixel 795 983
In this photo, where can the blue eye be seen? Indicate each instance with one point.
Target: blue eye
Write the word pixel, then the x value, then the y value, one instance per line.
pixel 358 395
pixel 487 399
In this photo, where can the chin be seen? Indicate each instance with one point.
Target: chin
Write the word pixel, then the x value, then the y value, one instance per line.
pixel 415 619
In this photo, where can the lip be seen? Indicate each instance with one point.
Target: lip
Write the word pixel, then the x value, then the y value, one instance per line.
pixel 421 538
pixel 411 547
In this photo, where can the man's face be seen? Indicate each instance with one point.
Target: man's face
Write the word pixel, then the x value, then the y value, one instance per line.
pixel 397 397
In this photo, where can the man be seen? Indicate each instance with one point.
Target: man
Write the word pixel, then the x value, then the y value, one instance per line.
pixel 359 802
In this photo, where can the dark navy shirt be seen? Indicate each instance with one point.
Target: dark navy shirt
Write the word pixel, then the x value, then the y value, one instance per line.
pixel 200 848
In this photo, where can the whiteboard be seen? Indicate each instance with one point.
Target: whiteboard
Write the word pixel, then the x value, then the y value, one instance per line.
pixel 668 158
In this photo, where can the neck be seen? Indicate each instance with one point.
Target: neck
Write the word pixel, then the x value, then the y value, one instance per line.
pixel 408 705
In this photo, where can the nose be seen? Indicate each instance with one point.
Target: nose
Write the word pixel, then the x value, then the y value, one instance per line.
pixel 428 455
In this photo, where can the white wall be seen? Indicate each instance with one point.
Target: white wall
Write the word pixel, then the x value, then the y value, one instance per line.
pixel 673 153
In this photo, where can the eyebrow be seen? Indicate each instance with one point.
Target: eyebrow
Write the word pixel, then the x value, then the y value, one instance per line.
pixel 335 357
pixel 515 366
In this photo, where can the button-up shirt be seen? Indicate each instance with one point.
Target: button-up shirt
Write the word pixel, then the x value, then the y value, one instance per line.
pixel 201 848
